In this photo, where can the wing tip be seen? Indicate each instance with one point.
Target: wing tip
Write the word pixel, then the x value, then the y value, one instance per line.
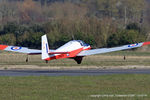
pixel 146 43
pixel 2 47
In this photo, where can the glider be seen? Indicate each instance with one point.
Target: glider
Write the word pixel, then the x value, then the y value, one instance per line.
pixel 75 49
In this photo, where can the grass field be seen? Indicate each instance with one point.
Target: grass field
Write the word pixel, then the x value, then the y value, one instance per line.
pixel 108 59
pixel 75 88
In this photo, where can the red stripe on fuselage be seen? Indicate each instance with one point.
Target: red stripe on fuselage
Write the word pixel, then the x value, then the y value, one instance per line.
pixel 2 47
pixel 88 48
pixel 146 43
pixel 68 55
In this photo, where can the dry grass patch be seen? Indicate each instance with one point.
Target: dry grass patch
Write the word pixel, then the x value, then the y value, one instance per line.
pixel 110 59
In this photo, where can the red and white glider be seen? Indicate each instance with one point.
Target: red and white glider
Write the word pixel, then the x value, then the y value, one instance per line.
pixel 75 49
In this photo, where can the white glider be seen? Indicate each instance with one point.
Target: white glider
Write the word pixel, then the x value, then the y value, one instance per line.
pixel 75 49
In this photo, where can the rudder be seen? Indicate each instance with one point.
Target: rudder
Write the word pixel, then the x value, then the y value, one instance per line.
pixel 45 47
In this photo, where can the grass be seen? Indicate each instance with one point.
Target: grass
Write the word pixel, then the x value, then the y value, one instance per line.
pixel 108 59
pixel 74 88
pixel 77 87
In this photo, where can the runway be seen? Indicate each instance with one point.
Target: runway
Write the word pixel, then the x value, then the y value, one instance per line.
pixel 72 72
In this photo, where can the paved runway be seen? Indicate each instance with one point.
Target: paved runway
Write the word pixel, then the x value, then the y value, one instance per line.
pixel 71 72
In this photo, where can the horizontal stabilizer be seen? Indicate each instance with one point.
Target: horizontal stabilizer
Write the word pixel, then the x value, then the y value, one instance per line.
pixel 51 53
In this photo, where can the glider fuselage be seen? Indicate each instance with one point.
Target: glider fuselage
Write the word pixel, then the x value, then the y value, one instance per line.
pixel 72 48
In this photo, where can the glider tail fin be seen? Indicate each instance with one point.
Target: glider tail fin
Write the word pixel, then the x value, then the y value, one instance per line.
pixel 45 48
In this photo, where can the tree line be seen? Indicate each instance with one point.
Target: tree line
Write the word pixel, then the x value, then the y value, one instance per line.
pixel 101 23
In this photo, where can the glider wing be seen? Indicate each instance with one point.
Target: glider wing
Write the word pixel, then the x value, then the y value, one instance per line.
pixel 106 50
pixel 21 49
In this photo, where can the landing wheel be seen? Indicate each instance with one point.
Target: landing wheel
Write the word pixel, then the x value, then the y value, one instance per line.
pixel 124 57
pixel 78 60
pixel 27 59
pixel 46 61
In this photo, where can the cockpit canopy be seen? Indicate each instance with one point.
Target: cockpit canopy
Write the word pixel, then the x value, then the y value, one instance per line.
pixel 82 43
